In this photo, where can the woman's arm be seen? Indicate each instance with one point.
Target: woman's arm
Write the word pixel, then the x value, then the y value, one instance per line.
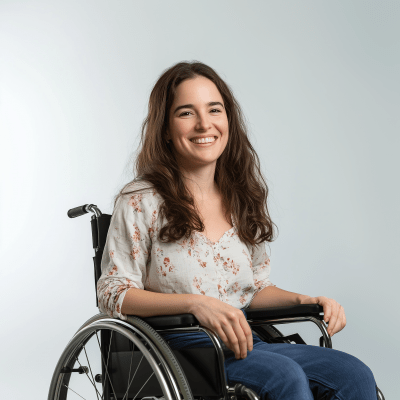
pixel 272 296
pixel 126 252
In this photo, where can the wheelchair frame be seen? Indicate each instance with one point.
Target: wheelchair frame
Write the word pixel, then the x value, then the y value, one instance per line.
pixel 261 321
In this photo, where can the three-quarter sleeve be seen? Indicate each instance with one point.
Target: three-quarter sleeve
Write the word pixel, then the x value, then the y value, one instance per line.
pixel 261 267
pixel 125 253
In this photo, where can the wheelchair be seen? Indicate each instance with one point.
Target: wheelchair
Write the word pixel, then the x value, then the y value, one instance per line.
pixel 112 359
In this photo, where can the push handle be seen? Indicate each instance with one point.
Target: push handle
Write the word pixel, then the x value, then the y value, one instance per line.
pixel 77 211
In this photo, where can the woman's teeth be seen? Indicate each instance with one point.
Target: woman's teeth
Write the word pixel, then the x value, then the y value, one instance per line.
pixel 208 140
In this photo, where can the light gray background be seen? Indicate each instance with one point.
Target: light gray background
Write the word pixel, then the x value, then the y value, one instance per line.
pixel 319 85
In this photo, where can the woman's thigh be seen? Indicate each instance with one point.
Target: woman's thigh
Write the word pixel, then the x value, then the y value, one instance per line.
pixel 286 371
pixel 271 375
pixel 279 377
pixel 329 372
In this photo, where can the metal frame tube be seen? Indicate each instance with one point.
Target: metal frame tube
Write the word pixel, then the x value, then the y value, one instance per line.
pixel 319 323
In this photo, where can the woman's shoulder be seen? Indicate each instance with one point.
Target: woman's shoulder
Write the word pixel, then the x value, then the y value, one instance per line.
pixel 140 192
pixel 137 185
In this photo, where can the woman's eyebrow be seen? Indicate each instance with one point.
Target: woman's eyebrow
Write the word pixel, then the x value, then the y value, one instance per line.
pixel 211 103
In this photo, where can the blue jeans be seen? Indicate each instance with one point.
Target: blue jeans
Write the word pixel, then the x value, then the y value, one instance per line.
pixel 282 371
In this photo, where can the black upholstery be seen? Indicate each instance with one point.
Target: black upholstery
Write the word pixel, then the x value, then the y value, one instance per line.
pixel 100 227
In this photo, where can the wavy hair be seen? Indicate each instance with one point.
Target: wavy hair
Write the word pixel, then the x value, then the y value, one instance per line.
pixel 237 173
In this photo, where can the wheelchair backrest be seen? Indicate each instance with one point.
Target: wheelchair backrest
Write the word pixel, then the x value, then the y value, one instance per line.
pixel 100 225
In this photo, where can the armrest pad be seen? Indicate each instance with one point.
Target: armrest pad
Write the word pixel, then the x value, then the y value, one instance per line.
pixel 298 310
pixel 171 321
pixel 185 320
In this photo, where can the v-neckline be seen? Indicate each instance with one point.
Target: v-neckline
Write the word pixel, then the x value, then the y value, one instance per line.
pixel 213 243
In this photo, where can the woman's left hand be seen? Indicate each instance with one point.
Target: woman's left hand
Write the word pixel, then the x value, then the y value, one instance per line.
pixel 333 312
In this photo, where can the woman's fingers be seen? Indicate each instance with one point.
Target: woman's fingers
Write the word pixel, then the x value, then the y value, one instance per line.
pixel 236 338
pixel 333 320
pixel 248 332
pixel 226 321
pixel 247 340
pixel 232 341
pixel 330 313
pixel 326 313
pixel 341 320
pixel 223 337
pixel 240 341
pixel 334 315
pixel 327 308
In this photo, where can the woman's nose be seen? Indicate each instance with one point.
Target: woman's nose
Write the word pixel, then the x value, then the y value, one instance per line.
pixel 203 122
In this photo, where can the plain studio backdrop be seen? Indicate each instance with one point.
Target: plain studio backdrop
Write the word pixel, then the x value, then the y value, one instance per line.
pixel 319 85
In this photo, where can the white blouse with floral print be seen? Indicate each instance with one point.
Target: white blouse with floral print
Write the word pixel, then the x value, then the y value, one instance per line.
pixel 133 257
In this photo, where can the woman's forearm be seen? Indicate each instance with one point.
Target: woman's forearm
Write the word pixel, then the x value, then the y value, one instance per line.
pixel 272 296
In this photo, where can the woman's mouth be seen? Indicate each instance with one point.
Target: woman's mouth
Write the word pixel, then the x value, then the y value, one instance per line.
pixel 204 142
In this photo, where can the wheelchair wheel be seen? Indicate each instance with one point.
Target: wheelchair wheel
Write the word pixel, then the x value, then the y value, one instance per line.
pixel 109 359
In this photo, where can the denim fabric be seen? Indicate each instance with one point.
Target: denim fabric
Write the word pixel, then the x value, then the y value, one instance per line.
pixel 282 371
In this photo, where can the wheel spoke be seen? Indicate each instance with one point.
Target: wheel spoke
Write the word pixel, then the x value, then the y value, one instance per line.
pixel 109 348
pixel 126 393
pixel 91 381
pixel 102 358
pixel 91 373
pixel 130 368
pixel 74 391
pixel 144 384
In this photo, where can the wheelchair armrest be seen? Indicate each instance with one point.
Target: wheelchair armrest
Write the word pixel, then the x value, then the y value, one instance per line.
pixel 171 321
pixel 187 320
pixel 298 310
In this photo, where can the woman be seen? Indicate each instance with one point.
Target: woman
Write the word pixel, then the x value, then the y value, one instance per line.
pixel 188 236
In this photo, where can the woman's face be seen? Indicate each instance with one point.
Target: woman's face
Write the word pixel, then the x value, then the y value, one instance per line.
pixel 198 111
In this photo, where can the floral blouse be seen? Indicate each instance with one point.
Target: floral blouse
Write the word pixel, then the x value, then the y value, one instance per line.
pixel 133 257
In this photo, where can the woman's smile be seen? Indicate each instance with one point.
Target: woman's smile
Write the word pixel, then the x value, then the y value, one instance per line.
pixel 205 142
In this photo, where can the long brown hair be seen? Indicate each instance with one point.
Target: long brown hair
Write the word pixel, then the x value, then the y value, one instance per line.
pixel 237 173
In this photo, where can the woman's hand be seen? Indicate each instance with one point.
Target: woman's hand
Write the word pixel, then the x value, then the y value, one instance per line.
pixel 333 312
pixel 228 322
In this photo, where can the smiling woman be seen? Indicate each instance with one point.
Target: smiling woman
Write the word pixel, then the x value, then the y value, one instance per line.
pixel 198 172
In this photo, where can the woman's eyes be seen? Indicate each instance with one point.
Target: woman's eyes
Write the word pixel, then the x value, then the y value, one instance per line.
pixel 214 109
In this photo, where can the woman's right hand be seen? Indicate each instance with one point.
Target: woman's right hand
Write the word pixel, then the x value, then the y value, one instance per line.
pixel 228 322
